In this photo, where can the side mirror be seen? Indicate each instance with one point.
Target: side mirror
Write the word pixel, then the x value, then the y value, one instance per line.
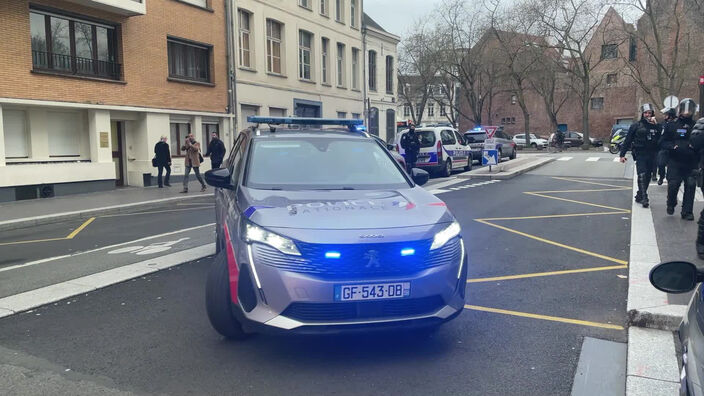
pixel 420 177
pixel 219 178
pixel 674 277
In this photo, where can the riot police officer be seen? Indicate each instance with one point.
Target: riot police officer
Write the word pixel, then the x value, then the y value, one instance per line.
pixel 682 159
pixel 643 136
pixel 670 116
pixel 411 145
pixel 698 143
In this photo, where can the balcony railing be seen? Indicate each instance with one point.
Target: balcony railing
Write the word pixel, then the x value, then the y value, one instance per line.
pixel 76 65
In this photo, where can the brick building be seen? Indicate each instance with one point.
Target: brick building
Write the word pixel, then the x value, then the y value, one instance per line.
pixel 88 88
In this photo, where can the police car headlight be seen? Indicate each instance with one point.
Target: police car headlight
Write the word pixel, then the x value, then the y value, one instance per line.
pixel 254 233
pixel 445 235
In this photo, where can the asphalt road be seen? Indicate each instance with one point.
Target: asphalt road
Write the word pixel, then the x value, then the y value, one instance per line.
pixel 538 286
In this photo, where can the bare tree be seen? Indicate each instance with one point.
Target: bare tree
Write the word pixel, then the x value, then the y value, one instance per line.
pixel 448 99
pixel 550 82
pixel 572 25
pixel 418 66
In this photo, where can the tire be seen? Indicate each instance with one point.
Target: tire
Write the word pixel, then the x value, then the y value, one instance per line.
pixel 534 146
pixel 217 300
pixel 501 155
pixel 513 154
pixel 470 161
pixel 614 149
pixel 447 171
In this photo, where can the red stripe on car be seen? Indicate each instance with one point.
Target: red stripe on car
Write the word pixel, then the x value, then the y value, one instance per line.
pixel 232 268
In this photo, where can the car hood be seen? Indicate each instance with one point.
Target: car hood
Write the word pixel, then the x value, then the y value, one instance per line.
pixel 343 210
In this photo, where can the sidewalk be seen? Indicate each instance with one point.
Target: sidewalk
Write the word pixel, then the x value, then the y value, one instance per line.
pixel 509 169
pixel 33 212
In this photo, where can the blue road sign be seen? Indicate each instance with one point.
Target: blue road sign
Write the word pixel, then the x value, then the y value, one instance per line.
pixel 490 157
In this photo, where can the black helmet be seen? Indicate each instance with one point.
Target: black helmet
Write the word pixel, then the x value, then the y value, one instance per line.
pixel 646 107
pixel 669 112
pixel 687 108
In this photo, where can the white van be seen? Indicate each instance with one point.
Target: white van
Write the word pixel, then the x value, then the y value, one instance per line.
pixel 442 149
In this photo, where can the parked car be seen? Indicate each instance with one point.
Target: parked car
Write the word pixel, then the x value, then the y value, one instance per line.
pixel 682 277
pixel 398 157
pixel 442 150
pixel 504 144
pixel 536 142
pixel 573 139
pixel 314 233
pixel 595 142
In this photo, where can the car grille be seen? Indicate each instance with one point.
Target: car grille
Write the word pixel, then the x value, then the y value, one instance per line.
pixel 360 260
pixel 329 312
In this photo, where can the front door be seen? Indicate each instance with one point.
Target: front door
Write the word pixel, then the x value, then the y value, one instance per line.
pixel 116 128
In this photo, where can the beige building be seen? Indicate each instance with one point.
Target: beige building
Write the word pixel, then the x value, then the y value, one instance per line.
pixel 299 58
pixel 382 81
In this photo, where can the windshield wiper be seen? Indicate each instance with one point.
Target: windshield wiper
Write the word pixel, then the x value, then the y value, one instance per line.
pixel 333 189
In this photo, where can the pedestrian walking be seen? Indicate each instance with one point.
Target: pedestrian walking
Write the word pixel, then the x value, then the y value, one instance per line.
pixel 683 159
pixel 162 160
pixel 670 116
pixel 410 143
pixel 642 139
pixel 216 151
pixel 192 161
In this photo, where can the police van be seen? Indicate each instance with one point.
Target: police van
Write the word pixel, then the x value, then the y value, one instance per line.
pixel 442 150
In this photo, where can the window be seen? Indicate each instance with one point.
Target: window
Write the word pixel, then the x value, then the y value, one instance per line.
pixel 325 60
pixel 431 110
pixel 419 110
pixel 305 42
pixel 609 51
pixel 341 114
pixel 633 50
pixel 179 131
pixel 356 116
pixel 372 70
pixel 324 7
pixel 513 120
pixel 339 10
pixel 406 111
pixel 246 111
pixel 14 125
pixel 341 65
pixel 597 103
pixel 390 123
pixel 273 46
pixel 188 61
pixel 199 3
pixel 355 68
pixel 611 78
pixel 65 137
pixel 443 110
pixel 447 137
pixel 389 75
pixel 208 129
pixel 244 38
pixel 353 13
pixel 374 121
pixel 305 4
pixel 277 112
pixel 74 46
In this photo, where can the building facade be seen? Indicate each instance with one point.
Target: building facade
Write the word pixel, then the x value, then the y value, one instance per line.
pixel 88 88
pixel 299 58
pixel 381 79
pixel 440 103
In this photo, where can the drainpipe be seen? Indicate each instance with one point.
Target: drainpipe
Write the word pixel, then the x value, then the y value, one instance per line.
pixel 231 76
pixel 364 75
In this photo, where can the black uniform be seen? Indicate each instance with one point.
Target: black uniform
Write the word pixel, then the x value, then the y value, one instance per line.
pixel 216 152
pixel 698 143
pixel 411 144
pixel 162 159
pixel 683 161
pixel 643 137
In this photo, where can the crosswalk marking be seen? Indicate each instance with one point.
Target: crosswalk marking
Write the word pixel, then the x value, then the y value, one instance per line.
pixel 565 158
pixel 617 159
pixel 463 187
pixel 593 159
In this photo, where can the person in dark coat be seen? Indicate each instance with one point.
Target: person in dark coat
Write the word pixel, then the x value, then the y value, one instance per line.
pixel 162 160
pixel 216 151
pixel 643 137
pixel 410 143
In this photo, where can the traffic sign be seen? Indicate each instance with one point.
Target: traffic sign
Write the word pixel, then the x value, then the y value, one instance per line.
pixel 671 102
pixel 490 157
pixel 489 144
pixel 490 131
pixel 701 80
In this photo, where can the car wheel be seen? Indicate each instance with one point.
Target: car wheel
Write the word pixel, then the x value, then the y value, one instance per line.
pixel 501 155
pixel 534 146
pixel 513 154
pixel 470 161
pixel 217 300
pixel 447 171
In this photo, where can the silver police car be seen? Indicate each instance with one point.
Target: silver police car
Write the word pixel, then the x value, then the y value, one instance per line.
pixel 320 230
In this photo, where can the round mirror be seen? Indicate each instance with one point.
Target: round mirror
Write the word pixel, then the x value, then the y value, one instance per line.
pixel 674 277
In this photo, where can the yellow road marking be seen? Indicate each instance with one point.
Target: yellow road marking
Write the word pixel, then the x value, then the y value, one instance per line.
pixel 574 249
pixel 551 273
pixel 545 317
pixel 588 182
pixel 80 228
pixel 554 216
pixel 578 202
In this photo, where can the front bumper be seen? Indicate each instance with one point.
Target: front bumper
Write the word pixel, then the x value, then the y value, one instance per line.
pixel 304 303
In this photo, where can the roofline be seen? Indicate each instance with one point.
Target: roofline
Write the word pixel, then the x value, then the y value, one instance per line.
pixel 383 33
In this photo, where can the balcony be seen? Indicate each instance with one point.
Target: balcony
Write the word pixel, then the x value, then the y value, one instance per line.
pixel 73 65
pixel 120 7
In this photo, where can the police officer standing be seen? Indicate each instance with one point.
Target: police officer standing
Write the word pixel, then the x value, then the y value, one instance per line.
pixel 698 143
pixel 683 159
pixel 670 116
pixel 643 136
pixel 411 145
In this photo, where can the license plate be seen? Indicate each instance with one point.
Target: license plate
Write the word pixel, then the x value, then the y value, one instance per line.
pixel 372 291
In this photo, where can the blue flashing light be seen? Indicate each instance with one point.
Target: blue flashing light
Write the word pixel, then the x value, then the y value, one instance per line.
pixel 332 255
pixel 408 252
pixel 304 121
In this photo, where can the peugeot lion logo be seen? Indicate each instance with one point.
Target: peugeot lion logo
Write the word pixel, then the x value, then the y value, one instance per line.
pixel 373 259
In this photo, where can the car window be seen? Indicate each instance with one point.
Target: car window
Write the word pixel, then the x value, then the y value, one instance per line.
pixel 427 138
pixel 231 157
pixel 459 138
pixel 237 156
pixel 447 137
pixel 478 136
pixel 519 137
pixel 321 163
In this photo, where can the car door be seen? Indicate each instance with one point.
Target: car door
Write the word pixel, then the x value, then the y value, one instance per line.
pixel 463 152
pixel 449 144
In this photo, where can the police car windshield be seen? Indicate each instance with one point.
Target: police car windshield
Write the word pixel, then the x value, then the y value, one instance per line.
pixel 324 163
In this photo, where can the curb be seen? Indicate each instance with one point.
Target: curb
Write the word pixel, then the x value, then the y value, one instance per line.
pixel 80 214
pixel 521 169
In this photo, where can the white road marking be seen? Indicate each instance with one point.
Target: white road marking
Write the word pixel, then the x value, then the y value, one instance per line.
pixel 466 186
pixel 565 158
pixel 617 159
pixel 593 159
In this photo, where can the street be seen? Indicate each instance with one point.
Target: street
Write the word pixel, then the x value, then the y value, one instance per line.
pixel 548 254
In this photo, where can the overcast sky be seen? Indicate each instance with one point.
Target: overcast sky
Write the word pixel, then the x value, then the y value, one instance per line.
pixel 396 16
